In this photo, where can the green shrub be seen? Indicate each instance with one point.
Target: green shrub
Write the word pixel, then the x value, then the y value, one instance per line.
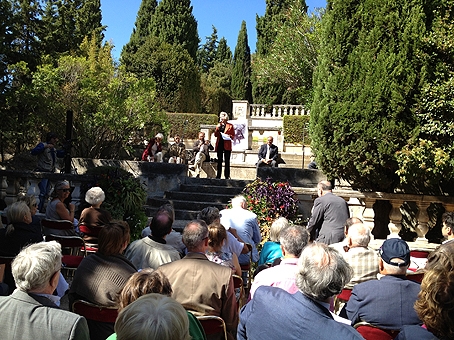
pixel 294 128
pixel 125 196
pixel 190 129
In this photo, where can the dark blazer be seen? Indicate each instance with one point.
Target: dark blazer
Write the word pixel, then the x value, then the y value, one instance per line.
pixel 415 333
pixel 23 234
pixel 275 314
pixel 273 152
pixel 34 317
pixel 229 130
pixel 387 302
pixel 327 222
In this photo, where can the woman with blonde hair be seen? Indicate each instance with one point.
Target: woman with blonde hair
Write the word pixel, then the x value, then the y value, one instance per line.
pixel 272 249
pixel 58 209
pixel 216 239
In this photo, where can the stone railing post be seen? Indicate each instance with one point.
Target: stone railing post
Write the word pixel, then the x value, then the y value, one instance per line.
pixel 33 188
pixel 395 217
pixel 75 195
pixel 12 190
pixel 368 213
pixel 423 218
pixel 3 187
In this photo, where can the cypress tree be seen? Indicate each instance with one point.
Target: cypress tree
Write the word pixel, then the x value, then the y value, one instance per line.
pixel 141 31
pixel 206 55
pixel 366 85
pixel 223 52
pixel 241 75
pixel 174 23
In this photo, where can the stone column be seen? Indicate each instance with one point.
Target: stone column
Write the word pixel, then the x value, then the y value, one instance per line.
pixel 423 218
pixel 368 213
pixel 395 217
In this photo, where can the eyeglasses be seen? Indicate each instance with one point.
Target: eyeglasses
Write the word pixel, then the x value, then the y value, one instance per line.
pixel 65 190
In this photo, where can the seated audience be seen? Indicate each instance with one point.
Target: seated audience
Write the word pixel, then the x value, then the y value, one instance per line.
pixel 101 276
pixel 94 217
pixel 201 150
pixel 293 239
pixel 216 239
pixel 441 258
pixel 177 151
pixel 58 210
pixel 340 246
pixel 388 302
pixel 271 250
pixel 153 316
pixel 30 200
pixel 150 281
pixel 31 312
pixel 435 308
pixel 448 226
pixel 153 151
pixel 153 251
pixel 233 244
pixel 201 286
pixel 268 154
pixel 174 238
pixel 274 313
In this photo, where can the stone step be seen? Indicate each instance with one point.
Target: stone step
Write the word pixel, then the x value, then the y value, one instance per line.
pixel 194 188
pixel 184 204
pixel 207 194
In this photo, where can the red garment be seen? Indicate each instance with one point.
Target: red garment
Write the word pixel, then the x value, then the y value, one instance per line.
pixel 229 130
pixel 147 152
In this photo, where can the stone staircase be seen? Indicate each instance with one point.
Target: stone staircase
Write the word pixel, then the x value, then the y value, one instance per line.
pixel 194 194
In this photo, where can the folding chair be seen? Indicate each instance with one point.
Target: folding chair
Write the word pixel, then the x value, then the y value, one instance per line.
pixel 5 272
pixel 54 226
pixel 246 269
pixel 341 299
pixel 91 240
pixel 95 312
pixel 371 332
pixel 213 325
pixel 238 284
pixel 76 252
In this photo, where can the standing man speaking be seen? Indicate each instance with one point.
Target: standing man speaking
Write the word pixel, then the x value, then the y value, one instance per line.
pixel 329 215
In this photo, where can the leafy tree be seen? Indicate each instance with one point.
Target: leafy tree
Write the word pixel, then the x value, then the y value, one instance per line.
pixel 291 58
pixel 174 71
pixel 174 23
pixel 216 95
pixel 206 55
pixel 223 52
pixel 6 39
pixel 141 31
pixel 109 105
pixel 241 76
pixel 366 86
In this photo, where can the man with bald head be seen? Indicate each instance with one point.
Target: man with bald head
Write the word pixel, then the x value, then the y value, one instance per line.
pixel 329 214
pixel 153 250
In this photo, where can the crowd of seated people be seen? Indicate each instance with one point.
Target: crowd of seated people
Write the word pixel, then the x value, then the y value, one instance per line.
pixel 201 282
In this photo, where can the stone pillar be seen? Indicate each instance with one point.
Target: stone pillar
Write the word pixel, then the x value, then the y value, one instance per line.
pixel 33 189
pixel 3 187
pixel 368 213
pixel 395 217
pixel 12 190
pixel 423 218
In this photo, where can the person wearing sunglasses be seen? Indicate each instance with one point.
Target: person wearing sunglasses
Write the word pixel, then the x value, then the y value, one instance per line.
pixel 58 209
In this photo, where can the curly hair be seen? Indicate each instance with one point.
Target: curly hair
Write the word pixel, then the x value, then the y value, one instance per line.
pixel 435 304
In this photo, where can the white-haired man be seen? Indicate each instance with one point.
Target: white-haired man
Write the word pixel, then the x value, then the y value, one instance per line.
pixel 274 313
pixel 30 312
pixel 246 225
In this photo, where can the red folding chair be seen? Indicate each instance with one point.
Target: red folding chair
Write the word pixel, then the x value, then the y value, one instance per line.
pixel 75 252
pixel 95 312
pixel 213 325
pixel 341 299
pixel 371 332
pixel 54 226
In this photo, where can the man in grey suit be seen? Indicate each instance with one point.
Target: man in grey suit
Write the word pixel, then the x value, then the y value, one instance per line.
pixel 30 312
pixel 329 214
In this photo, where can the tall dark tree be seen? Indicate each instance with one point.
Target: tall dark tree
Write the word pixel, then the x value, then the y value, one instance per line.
pixel 206 55
pixel 141 31
pixel 241 76
pixel 272 91
pixel 6 39
pixel 174 23
pixel 366 87
pixel 223 53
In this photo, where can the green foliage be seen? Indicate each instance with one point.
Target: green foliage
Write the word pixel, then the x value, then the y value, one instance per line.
pixel 270 200
pixel 223 52
pixel 284 74
pixel 174 71
pixel 241 75
pixel 125 196
pixel 206 55
pixel 109 105
pixel 174 23
pixel 367 79
pixel 294 129
pixel 216 95
pixel 190 129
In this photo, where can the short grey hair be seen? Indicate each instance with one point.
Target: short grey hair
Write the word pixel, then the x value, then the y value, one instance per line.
pixel 15 214
pixel 194 234
pixel 237 201
pixel 223 115
pixel 35 265
pixel 95 196
pixel 359 234
pixel 159 135
pixel 293 239
pixel 395 270
pixel 153 316
pixel 276 228
pixel 209 215
pixel 322 272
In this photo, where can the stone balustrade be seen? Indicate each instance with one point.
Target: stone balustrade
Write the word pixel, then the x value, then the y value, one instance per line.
pixel 277 111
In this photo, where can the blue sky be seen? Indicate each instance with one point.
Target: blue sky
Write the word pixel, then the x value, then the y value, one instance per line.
pixel 226 15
